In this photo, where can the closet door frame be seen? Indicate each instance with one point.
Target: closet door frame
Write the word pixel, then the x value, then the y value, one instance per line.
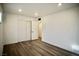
pixel 30 31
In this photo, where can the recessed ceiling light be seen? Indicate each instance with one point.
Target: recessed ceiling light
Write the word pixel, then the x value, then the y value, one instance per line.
pixel 20 10
pixel 59 4
pixel 36 14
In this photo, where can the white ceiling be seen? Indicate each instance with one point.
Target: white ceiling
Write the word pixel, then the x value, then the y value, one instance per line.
pixel 29 9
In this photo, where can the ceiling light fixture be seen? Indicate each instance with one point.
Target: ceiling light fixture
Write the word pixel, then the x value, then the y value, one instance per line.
pixel 20 10
pixel 36 14
pixel 59 4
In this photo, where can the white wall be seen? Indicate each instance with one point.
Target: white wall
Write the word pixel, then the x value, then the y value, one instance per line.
pixel 11 27
pixel 60 29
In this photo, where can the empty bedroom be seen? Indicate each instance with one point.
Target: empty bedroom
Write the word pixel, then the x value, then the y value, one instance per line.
pixel 39 29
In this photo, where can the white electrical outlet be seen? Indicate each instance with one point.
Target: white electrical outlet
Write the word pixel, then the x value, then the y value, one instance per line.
pixel 75 47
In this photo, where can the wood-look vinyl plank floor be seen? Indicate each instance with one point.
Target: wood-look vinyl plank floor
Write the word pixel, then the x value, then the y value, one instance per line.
pixel 34 48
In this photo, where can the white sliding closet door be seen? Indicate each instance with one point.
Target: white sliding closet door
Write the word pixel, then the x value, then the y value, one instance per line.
pixel 24 30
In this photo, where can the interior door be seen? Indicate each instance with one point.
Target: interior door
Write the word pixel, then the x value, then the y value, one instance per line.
pixel 24 30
